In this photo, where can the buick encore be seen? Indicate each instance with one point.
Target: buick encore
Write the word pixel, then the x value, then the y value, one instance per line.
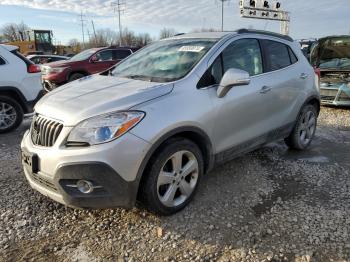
pixel 161 119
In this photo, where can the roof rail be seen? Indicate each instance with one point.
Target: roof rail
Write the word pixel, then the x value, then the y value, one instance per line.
pixel 262 32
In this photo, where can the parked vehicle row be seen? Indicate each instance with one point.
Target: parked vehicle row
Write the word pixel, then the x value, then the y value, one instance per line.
pixel 165 116
pixel 86 63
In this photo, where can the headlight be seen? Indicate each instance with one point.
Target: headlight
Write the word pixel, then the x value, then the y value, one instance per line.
pixel 55 70
pixel 104 128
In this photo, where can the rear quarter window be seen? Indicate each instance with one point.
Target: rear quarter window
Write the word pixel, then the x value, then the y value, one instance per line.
pixel 277 55
pixel 293 57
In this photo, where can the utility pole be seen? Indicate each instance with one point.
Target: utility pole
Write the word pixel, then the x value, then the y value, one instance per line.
pixel 82 21
pixel 222 13
pixel 119 7
pixel 93 28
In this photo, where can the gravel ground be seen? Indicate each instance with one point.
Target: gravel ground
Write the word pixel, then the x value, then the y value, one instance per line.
pixel 270 205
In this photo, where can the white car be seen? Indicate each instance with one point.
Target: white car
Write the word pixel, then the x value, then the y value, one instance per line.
pixel 20 87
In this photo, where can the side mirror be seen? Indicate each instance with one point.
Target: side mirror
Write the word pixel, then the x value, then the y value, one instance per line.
pixel 232 77
pixel 93 59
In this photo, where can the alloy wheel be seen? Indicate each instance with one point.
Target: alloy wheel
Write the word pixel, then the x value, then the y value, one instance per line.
pixel 177 179
pixel 307 128
pixel 8 115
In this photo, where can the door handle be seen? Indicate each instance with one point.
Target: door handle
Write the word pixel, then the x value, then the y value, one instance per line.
pixel 303 76
pixel 265 89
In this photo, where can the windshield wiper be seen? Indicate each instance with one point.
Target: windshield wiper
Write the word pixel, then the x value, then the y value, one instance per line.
pixel 139 77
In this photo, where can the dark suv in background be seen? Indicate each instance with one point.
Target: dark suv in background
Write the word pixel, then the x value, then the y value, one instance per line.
pixel 88 62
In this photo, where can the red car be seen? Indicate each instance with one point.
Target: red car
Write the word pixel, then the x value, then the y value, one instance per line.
pixel 86 63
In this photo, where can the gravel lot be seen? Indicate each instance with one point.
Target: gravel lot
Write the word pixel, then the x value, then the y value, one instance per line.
pixel 270 205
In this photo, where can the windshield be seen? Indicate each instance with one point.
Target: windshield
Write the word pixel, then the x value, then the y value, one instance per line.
pixel 332 53
pixel 83 55
pixel 164 61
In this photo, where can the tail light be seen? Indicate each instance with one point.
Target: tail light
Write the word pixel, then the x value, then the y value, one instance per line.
pixel 318 73
pixel 33 69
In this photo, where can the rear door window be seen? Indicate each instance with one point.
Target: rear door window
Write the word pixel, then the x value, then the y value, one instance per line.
pixel 277 55
pixel 106 55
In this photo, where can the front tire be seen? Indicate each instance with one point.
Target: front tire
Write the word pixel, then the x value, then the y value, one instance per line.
pixel 11 114
pixel 172 177
pixel 75 76
pixel 304 129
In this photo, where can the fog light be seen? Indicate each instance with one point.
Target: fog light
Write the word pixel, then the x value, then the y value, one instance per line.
pixel 85 187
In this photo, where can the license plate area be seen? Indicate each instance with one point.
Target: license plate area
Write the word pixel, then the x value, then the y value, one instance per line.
pixel 31 160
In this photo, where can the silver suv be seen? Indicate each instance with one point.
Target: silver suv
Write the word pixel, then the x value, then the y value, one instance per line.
pixel 161 119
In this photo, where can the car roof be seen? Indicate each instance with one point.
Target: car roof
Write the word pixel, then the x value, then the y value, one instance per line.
pixel 220 35
pixel 9 47
pixel 207 35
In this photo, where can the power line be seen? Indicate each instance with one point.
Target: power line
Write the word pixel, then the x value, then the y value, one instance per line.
pixel 93 27
pixel 82 21
pixel 119 7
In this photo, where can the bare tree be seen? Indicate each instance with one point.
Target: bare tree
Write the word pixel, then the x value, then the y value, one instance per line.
pixel 199 30
pixel 104 37
pixel 143 39
pixel 73 42
pixel 22 30
pixel 15 32
pixel 107 37
pixel 2 39
pixel 166 33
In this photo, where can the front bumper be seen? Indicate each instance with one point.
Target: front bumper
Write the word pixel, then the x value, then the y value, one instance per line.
pixel 52 81
pixel 115 177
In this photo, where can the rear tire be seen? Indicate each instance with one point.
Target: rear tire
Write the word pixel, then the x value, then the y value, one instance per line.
pixel 173 176
pixel 75 76
pixel 304 129
pixel 11 114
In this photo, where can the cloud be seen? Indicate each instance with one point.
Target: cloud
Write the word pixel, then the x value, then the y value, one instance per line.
pixel 165 12
pixel 312 17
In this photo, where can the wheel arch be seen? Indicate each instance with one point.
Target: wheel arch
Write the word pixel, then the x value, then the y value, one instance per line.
pixel 15 94
pixel 195 134
pixel 85 73
pixel 315 101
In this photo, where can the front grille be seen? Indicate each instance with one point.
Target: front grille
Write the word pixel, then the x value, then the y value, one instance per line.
pixel 44 132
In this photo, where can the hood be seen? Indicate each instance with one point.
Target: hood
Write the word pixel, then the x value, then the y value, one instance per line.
pixel 95 95
pixel 60 63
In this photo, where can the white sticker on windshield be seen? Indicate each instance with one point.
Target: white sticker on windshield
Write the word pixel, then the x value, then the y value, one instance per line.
pixel 191 48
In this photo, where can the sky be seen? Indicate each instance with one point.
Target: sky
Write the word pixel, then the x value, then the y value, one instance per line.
pixel 309 18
